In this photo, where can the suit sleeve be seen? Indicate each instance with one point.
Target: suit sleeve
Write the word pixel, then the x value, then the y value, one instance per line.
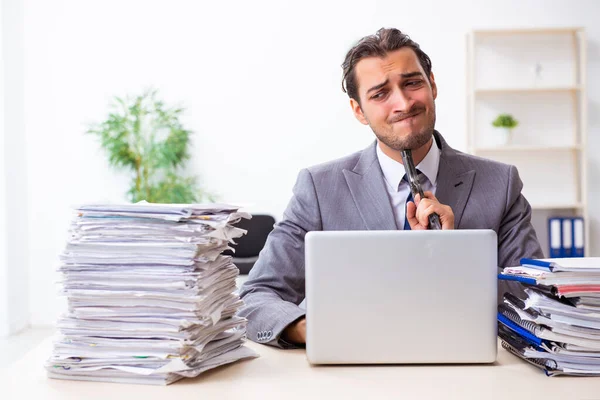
pixel 275 285
pixel 516 236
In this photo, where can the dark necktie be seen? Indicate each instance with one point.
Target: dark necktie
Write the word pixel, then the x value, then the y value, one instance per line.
pixel 409 198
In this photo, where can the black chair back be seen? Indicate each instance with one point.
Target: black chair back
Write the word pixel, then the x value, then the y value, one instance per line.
pixel 249 246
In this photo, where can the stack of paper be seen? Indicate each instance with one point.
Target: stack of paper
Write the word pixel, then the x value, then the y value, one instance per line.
pixel 151 298
pixel 557 327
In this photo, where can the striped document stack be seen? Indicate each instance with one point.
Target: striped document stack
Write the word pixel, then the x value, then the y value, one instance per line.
pixel 557 327
pixel 151 299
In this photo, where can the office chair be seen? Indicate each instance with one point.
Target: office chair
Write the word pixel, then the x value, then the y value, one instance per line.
pixel 249 246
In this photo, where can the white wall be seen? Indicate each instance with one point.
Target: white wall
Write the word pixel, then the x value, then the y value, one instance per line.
pixel 14 262
pixel 260 81
pixel 4 330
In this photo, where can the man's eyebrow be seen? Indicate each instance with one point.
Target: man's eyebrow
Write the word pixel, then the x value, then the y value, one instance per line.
pixel 403 76
pixel 377 87
pixel 411 74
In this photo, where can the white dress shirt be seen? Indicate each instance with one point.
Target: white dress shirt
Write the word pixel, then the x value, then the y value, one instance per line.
pixel 397 189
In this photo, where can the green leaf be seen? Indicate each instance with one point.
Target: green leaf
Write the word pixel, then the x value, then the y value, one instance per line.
pixel 505 121
pixel 143 135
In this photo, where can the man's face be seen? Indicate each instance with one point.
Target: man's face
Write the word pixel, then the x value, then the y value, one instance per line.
pixel 396 99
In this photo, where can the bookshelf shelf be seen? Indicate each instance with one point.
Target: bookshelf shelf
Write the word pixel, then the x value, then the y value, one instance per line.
pixel 539 77
pixel 532 148
pixel 526 31
pixel 557 206
pixel 500 90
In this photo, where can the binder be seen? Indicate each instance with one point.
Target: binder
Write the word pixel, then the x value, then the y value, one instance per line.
pixel 578 237
pixel 567 237
pixel 554 237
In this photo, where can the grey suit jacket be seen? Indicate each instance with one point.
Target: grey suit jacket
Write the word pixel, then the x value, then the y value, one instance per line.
pixel 350 194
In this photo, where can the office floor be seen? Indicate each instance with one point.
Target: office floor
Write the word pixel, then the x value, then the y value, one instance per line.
pixel 14 347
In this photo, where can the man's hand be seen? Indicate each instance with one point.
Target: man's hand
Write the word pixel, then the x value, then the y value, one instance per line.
pixel 296 332
pixel 418 214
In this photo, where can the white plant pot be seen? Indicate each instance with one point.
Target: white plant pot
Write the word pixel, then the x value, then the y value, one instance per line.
pixel 503 136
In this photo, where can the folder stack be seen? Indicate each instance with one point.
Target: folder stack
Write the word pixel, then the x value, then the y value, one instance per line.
pixel 557 326
pixel 566 237
pixel 151 299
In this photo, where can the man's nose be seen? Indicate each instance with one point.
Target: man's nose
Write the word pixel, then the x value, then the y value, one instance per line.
pixel 402 102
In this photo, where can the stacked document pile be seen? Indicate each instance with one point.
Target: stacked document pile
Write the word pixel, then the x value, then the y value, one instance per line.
pixel 557 327
pixel 151 299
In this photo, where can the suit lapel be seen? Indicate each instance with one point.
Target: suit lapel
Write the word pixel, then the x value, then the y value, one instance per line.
pixel 368 191
pixel 367 186
pixel 454 182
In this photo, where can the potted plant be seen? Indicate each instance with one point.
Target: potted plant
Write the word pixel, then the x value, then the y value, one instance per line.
pixel 505 124
pixel 145 137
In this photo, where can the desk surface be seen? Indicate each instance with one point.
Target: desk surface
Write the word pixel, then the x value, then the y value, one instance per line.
pixel 286 374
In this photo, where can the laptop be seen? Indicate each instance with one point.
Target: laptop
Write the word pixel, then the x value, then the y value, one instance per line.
pixel 401 297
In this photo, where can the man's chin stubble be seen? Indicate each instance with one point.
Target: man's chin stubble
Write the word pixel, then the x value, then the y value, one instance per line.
pixel 413 142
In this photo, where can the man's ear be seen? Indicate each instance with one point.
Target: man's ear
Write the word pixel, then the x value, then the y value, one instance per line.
pixel 433 85
pixel 358 112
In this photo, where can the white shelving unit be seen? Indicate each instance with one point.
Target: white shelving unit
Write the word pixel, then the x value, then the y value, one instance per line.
pixel 539 77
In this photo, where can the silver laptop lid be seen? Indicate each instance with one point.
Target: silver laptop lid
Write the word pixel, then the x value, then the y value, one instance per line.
pixel 401 297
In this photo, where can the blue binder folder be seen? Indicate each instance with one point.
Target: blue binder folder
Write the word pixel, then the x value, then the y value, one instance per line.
pixel 555 237
pixel 567 237
pixel 578 237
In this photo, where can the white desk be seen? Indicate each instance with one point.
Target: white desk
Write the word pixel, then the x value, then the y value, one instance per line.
pixel 285 374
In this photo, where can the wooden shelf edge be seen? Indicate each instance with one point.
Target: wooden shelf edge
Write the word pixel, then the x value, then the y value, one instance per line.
pixel 558 89
pixel 527 31
pixel 525 148
pixel 574 206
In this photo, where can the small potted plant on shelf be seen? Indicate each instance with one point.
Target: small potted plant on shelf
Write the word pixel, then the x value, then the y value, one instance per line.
pixel 505 124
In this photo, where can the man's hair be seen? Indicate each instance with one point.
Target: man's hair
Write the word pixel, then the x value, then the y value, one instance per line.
pixel 378 45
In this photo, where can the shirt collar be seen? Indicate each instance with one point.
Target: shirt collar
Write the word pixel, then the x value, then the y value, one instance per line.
pixel 393 171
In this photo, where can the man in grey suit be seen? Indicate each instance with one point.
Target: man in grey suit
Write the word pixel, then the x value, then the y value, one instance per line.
pixel 392 89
